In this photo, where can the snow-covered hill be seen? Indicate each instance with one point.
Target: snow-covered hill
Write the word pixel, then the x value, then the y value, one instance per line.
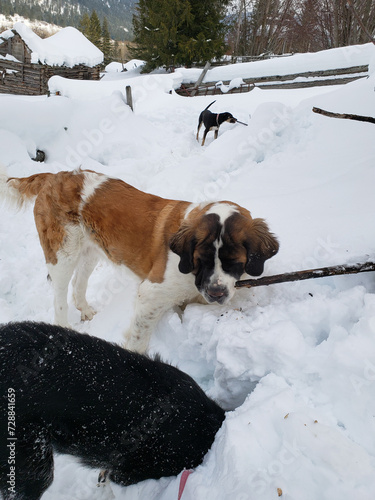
pixel 69 13
pixel 294 363
pixel 40 27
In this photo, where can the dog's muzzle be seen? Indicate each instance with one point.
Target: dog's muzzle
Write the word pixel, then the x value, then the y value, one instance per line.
pixel 216 293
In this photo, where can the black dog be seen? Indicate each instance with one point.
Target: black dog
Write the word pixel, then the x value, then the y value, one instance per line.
pixel 116 410
pixel 213 121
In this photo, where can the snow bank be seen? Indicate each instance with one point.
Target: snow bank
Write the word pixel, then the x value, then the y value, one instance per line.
pixel 142 86
pixel 116 67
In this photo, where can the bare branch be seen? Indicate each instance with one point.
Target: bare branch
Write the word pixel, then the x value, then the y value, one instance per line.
pixel 307 274
pixel 358 118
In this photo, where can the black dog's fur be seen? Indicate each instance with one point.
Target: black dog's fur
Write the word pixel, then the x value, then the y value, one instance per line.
pixel 212 121
pixel 116 410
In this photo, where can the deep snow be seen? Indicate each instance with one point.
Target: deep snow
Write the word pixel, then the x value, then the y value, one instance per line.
pixel 293 363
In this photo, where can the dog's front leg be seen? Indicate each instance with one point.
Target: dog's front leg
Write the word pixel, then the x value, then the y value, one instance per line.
pixel 152 301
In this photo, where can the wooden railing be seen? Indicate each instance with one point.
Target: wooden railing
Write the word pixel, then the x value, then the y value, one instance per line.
pixel 338 76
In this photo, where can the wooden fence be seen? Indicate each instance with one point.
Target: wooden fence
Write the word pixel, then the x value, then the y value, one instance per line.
pixel 32 79
pixel 312 79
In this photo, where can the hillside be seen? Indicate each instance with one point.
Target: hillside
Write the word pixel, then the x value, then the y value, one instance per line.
pixel 69 12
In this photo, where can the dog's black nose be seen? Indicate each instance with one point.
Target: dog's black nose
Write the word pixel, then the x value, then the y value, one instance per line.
pixel 217 293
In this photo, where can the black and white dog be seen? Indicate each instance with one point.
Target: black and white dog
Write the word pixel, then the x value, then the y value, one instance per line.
pixel 116 410
pixel 212 121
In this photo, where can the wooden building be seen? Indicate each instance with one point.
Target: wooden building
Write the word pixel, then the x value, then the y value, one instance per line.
pixel 27 62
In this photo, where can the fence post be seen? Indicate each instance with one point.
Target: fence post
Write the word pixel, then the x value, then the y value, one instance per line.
pixel 129 97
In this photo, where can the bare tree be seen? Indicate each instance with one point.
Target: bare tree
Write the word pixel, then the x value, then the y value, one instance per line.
pixel 280 26
pixel 269 25
pixel 344 28
pixel 241 27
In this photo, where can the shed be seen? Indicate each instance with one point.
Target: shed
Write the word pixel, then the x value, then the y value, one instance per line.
pixel 27 61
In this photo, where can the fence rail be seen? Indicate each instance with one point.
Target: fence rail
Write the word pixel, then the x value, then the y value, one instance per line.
pixel 337 76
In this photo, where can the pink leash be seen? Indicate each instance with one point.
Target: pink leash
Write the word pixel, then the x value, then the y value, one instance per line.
pixel 184 477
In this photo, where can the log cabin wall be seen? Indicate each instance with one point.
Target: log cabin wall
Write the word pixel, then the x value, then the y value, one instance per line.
pixel 20 78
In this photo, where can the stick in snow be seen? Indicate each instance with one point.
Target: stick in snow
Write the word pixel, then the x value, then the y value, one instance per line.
pixel 344 115
pixel 307 274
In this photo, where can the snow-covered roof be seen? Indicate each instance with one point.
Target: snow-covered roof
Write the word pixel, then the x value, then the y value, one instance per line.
pixel 68 47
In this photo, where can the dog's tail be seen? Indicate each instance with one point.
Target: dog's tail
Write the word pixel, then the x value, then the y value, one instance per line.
pixel 210 104
pixel 17 191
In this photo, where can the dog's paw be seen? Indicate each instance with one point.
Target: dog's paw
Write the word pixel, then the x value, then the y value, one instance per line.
pixel 102 478
pixel 87 314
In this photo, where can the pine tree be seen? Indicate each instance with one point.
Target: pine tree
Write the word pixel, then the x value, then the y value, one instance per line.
pixel 94 33
pixel 84 24
pixel 204 38
pixel 178 32
pixel 106 44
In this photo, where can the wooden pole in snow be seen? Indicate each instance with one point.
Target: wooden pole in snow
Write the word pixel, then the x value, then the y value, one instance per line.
pixel 129 97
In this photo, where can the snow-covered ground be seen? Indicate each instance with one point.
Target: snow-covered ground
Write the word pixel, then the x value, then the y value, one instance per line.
pixel 293 363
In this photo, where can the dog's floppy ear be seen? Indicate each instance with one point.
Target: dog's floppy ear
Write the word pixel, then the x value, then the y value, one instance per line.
pixel 183 244
pixel 260 245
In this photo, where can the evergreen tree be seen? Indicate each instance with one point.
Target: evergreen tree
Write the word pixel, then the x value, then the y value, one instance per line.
pixel 84 24
pixel 204 38
pixel 178 32
pixel 106 44
pixel 94 33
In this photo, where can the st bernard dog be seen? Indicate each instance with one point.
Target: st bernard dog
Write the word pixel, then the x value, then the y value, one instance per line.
pixel 179 250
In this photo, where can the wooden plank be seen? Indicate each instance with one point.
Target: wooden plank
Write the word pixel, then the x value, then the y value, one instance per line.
pixel 129 97
pixel 312 83
pixel 307 74
pixel 209 88
pixel 200 79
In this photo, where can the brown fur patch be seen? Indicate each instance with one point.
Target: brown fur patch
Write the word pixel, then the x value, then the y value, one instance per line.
pixel 133 227
pixel 56 208
pixel 29 186
pixel 242 229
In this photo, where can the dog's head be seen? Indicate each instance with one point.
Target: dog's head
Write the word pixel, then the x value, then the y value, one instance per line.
pixel 228 117
pixel 219 244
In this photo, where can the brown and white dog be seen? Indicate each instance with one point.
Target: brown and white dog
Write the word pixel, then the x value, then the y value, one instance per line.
pixel 180 250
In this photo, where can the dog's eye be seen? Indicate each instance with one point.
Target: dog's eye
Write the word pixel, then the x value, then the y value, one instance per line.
pixel 227 262
pixel 232 267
